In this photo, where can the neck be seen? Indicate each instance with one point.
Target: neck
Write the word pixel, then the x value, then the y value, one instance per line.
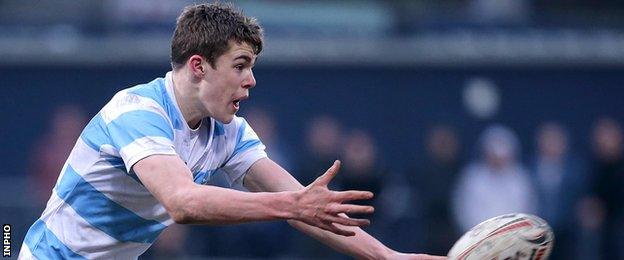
pixel 186 97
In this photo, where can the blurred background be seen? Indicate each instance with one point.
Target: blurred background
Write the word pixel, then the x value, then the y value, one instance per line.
pixel 451 111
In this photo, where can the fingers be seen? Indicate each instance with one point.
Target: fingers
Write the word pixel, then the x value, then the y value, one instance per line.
pixel 349 209
pixel 336 230
pixel 346 221
pixel 329 174
pixel 354 195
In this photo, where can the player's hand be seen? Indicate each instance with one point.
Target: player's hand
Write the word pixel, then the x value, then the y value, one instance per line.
pixel 320 207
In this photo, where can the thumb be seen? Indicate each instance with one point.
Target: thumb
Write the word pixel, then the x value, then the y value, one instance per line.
pixel 329 174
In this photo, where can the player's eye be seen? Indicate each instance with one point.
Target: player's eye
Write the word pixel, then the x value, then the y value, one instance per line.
pixel 239 67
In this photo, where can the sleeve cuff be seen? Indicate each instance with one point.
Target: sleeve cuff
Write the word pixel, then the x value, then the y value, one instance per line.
pixel 237 171
pixel 145 153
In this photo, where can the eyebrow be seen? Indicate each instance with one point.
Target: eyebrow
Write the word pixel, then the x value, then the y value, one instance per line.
pixel 245 57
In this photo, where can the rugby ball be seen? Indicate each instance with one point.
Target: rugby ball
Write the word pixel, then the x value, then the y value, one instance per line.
pixel 511 236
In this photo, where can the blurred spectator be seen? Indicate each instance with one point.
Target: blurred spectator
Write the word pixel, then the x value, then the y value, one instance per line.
pixel 397 221
pixel 559 179
pixel 360 166
pixel 604 210
pixel 52 149
pixel 323 137
pixel 434 180
pixel 495 184
pixel 362 170
pixel 263 123
pixel 324 143
pixel 503 12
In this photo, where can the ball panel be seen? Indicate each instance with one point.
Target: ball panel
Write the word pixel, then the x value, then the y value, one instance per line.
pixel 511 236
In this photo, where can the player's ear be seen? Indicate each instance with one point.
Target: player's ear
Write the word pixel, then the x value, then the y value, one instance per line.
pixel 197 66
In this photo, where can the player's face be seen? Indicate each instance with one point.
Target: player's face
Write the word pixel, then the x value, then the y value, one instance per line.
pixel 224 87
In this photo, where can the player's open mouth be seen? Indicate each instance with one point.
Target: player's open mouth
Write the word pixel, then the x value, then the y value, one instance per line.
pixel 236 102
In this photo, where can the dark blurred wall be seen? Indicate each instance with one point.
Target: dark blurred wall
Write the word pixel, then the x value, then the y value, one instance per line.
pixel 395 104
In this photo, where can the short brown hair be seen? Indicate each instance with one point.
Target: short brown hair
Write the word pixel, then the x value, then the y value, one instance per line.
pixel 207 29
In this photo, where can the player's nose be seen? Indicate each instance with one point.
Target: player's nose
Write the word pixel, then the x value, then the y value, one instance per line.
pixel 250 81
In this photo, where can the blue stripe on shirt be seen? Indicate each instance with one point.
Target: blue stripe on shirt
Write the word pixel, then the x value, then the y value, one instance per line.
pixel 43 244
pixel 156 90
pixel 124 129
pixel 200 177
pixel 137 124
pixel 241 132
pixel 94 134
pixel 243 146
pixel 103 213
pixel 203 177
pixel 115 162
pixel 219 130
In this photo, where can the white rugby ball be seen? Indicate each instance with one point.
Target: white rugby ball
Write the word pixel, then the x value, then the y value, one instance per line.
pixel 511 236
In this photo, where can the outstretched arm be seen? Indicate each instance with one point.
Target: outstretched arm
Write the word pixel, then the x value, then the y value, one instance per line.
pixel 266 175
pixel 170 181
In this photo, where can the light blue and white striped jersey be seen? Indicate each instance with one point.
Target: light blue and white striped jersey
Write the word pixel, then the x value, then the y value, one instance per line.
pixel 99 208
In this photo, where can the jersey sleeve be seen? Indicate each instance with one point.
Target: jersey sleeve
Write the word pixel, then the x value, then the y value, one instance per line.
pixel 247 150
pixel 138 127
